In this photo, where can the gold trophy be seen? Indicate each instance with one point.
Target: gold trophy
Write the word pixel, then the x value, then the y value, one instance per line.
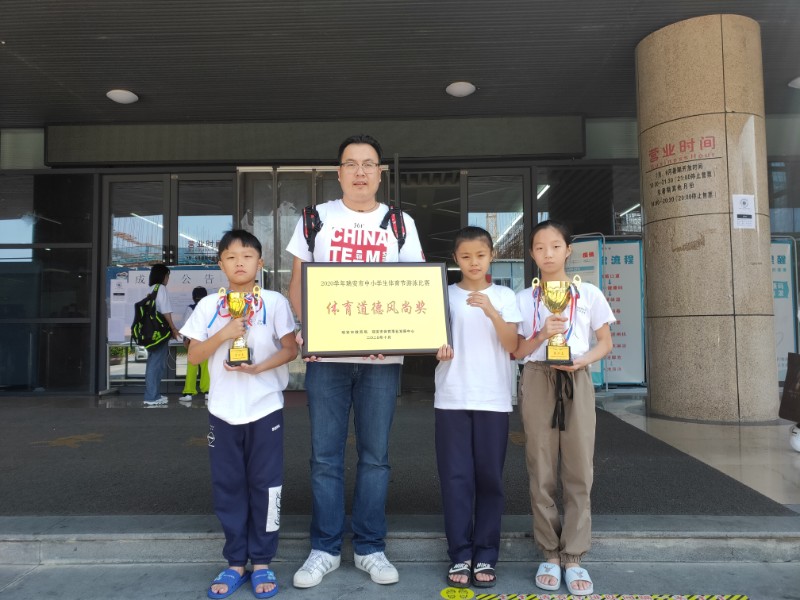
pixel 556 296
pixel 239 305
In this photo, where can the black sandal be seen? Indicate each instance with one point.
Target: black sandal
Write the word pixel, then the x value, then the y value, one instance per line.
pixel 461 568
pixel 486 569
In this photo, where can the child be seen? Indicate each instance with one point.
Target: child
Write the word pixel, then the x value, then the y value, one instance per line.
pixel 190 386
pixel 472 402
pixel 558 411
pixel 245 408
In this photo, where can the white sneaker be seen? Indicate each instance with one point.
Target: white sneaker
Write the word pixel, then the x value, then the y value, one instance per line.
pixel 317 565
pixel 206 396
pixel 186 398
pixel 378 567
pixel 157 401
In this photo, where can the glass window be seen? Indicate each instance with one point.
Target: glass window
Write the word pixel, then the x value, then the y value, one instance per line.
pixel 784 197
pixel 46 209
pixel 45 358
pixel 579 197
pixel 599 199
pixel 53 283
pixel 258 208
pixel 47 277
pixel 433 200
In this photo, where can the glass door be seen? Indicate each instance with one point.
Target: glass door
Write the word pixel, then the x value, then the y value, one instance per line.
pixel 174 219
pixel 177 219
pixel 434 200
pixel 498 200
pixel 203 207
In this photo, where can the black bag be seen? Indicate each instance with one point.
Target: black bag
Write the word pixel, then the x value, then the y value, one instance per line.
pixel 149 327
pixel 790 401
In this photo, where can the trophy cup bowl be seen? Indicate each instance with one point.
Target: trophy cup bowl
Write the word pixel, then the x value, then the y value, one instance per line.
pixel 556 296
pixel 238 306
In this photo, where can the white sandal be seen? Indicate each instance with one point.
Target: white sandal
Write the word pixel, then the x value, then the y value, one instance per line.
pixel 547 569
pixel 574 574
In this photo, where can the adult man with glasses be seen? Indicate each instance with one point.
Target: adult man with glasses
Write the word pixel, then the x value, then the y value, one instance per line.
pixel 351 232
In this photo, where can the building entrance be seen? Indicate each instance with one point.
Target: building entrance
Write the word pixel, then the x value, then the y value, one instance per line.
pixel 178 219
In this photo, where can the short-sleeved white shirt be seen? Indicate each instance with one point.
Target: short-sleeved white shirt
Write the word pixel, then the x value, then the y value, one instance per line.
pixel 591 313
pixel 352 236
pixel 163 304
pixel 480 376
pixel 239 398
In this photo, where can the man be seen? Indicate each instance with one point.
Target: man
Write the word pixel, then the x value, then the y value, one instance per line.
pixel 351 232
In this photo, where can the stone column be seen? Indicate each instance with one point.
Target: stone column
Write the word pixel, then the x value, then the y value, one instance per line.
pixel 710 337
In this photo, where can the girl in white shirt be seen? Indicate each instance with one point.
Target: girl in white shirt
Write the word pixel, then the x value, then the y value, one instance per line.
pixel 558 410
pixel 472 402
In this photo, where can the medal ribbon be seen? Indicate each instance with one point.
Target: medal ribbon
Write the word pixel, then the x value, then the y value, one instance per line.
pixel 537 292
pixel 573 302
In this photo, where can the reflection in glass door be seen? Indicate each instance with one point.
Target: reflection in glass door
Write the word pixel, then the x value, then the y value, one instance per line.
pixel 137 207
pixel 204 207
pixel 175 219
pixel 496 201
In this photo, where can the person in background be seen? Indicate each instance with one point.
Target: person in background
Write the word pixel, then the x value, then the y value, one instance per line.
pixel 190 386
pixel 157 355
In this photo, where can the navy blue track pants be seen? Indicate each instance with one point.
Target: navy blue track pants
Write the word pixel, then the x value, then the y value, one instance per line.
pixel 470 454
pixel 246 479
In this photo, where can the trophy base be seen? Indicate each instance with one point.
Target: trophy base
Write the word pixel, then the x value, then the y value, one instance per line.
pixel 558 355
pixel 239 356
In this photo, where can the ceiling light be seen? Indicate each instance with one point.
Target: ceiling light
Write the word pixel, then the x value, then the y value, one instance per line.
pixel 459 89
pixel 122 96
pixel 795 83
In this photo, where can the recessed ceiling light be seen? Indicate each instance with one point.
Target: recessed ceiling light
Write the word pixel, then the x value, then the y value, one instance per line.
pixel 459 89
pixel 122 96
pixel 795 83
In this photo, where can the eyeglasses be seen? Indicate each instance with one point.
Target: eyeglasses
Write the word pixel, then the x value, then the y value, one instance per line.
pixel 352 167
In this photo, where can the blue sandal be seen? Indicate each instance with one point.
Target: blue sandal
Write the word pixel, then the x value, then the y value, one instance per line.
pixel 232 579
pixel 261 577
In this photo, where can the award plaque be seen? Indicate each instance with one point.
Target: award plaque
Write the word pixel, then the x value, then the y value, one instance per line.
pixel 363 309
pixel 557 296
pixel 240 304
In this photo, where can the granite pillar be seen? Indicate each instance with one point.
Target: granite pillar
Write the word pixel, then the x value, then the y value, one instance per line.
pixel 702 148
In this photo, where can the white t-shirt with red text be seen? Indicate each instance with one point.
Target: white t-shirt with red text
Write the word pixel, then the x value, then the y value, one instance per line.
pixel 349 236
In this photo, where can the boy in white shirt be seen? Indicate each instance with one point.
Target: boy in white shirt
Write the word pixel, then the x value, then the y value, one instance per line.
pixel 245 406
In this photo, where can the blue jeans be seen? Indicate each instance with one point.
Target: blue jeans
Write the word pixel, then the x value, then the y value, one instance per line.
pixel 371 390
pixel 154 371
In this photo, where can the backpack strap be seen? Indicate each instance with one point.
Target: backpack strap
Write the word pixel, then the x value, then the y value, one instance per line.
pixel 394 216
pixel 311 226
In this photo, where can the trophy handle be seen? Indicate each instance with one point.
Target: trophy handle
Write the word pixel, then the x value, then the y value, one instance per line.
pixel 535 282
pixel 576 280
pixel 256 292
